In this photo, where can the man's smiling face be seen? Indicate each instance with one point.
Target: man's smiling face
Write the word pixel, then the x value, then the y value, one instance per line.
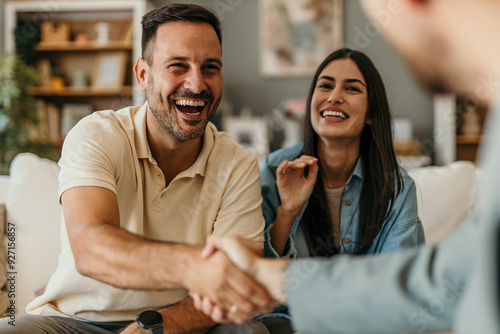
pixel 184 83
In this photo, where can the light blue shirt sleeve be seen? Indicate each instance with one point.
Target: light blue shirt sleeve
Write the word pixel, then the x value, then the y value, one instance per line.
pixel 415 290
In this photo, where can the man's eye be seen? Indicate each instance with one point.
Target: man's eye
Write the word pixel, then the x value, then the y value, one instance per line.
pixel 212 68
pixel 177 67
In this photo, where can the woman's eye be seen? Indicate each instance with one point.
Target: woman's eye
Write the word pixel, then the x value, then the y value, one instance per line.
pixel 325 86
pixel 353 89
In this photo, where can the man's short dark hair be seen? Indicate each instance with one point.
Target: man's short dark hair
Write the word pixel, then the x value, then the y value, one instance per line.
pixel 171 13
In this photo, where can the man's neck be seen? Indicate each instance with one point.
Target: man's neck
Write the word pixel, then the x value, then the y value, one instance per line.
pixel 172 155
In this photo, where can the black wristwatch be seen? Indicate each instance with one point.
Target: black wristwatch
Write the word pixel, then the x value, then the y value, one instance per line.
pixel 151 320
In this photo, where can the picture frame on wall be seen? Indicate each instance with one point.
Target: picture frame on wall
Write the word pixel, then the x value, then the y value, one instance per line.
pixel 109 70
pixel 295 36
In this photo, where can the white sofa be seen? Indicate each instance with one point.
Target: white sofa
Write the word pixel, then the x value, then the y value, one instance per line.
pixel 445 194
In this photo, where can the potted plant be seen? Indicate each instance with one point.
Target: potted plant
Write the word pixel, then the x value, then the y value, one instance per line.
pixel 18 109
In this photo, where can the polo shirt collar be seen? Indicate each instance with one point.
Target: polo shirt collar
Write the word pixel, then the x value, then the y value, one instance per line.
pixel 141 135
pixel 201 164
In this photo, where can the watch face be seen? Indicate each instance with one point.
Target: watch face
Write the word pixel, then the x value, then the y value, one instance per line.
pixel 150 318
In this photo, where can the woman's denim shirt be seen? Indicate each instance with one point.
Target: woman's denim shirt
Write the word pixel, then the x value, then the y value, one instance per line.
pixel 401 229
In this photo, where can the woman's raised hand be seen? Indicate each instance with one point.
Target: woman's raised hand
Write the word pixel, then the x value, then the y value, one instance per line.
pixel 293 185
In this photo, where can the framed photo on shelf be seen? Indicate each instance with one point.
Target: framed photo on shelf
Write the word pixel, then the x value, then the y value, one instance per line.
pixel 250 132
pixel 295 36
pixel 72 113
pixel 109 70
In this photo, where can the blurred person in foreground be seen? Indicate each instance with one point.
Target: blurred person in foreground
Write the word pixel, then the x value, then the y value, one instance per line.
pixel 452 46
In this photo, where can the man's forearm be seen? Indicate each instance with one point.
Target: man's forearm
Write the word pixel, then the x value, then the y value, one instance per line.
pixel 183 317
pixel 121 259
pixel 103 250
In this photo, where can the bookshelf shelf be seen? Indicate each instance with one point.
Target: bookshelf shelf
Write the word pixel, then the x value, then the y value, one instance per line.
pixel 89 46
pixel 469 139
pixel 83 92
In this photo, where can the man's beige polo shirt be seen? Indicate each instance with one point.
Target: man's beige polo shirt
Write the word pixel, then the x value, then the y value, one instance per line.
pixel 219 193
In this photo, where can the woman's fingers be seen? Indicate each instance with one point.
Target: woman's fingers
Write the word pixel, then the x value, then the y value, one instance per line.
pixel 299 164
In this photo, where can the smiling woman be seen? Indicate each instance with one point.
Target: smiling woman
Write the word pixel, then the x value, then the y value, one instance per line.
pixel 340 105
pixel 341 190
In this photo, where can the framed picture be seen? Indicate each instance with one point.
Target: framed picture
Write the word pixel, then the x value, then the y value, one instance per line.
pixel 109 70
pixel 72 113
pixel 250 132
pixel 295 36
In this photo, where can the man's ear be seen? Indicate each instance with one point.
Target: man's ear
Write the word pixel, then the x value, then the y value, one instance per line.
pixel 141 74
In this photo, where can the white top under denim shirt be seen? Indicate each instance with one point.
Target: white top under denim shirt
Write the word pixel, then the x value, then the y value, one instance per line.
pixel 402 228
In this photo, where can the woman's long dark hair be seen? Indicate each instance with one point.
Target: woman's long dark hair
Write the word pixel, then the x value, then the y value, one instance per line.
pixel 382 179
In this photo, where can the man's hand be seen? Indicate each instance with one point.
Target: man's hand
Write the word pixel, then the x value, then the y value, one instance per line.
pixel 217 278
pixel 246 256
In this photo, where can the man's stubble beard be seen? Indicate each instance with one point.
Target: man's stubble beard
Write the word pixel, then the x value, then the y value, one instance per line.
pixel 166 115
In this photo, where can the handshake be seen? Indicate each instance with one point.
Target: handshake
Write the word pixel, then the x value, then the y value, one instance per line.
pixel 256 288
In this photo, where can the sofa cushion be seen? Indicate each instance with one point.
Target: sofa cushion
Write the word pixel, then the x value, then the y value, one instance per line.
pixel 445 196
pixel 32 205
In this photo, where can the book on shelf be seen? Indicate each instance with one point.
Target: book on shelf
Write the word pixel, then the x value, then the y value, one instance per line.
pixel 53 121
pixel 45 71
pixel 47 128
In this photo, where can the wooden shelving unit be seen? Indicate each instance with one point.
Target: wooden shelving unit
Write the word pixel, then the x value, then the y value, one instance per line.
pixel 89 46
pixel 70 55
pixel 81 92
pixel 469 139
pixel 467 145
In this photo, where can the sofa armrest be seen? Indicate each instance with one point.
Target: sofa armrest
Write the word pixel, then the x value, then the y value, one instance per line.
pixel 445 195
pixel 34 212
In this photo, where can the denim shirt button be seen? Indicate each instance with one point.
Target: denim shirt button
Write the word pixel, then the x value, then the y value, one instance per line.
pixel 348 202
pixel 347 241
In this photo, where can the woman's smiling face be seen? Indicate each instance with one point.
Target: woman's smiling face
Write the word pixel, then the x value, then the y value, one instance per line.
pixel 339 104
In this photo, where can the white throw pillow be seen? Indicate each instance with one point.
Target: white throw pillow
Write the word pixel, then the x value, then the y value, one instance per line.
pixel 32 205
pixel 445 197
